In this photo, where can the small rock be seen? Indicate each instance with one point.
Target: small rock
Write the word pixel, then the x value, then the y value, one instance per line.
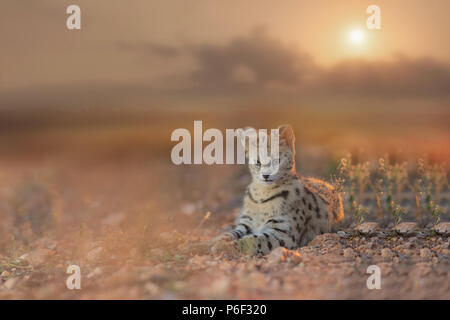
pixel 23 257
pixel 425 253
pixel 367 228
pixel 442 228
pixel 343 234
pixel 349 253
pixel 406 228
pixel 11 283
pixel 5 274
pixel 421 235
pixel 386 253
pixel 381 234
pixel 408 252
pixel 322 239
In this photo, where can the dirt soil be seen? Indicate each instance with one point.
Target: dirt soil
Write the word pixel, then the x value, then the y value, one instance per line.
pixel 125 225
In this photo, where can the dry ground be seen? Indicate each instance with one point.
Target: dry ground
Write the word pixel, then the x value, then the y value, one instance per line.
pixel 125 222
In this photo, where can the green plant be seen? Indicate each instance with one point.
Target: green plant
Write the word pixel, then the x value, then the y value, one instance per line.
pixel 436 213
pixel 397 212
pixel 417 188
pixel 378 188
pixel 429 182
pixel 359 212
pixel 395 187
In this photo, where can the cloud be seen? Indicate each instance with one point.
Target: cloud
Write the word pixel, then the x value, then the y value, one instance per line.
pixel 255 61
pixel 252 70
pixel 399 76
pixel 261 63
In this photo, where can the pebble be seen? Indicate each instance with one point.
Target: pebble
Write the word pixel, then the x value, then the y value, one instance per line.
pixel 406 228
pixel 370 245
pixel 343 234
pixel 425 253
pixel 5 274
pixel 408 252
pixel 349 253
pixel 386 253
pixel 367 228
pixel 442 228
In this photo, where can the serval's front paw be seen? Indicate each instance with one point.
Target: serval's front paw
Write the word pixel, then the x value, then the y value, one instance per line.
pixel 248 245
pixel 226 247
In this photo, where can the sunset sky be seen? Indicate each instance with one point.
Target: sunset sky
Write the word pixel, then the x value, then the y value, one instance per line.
pixel 144 53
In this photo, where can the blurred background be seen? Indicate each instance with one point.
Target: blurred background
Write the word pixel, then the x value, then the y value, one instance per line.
pixel 105 99
pixel 137 71
pixel 86 118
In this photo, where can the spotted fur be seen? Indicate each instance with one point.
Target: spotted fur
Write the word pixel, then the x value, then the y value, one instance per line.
pixel 282 209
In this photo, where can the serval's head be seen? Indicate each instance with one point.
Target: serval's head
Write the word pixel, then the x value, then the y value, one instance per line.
pixel 278 166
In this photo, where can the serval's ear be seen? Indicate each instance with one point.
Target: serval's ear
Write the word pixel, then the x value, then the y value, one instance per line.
pixel 287 136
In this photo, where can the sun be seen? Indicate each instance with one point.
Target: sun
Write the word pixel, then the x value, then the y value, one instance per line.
pixel 356 36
